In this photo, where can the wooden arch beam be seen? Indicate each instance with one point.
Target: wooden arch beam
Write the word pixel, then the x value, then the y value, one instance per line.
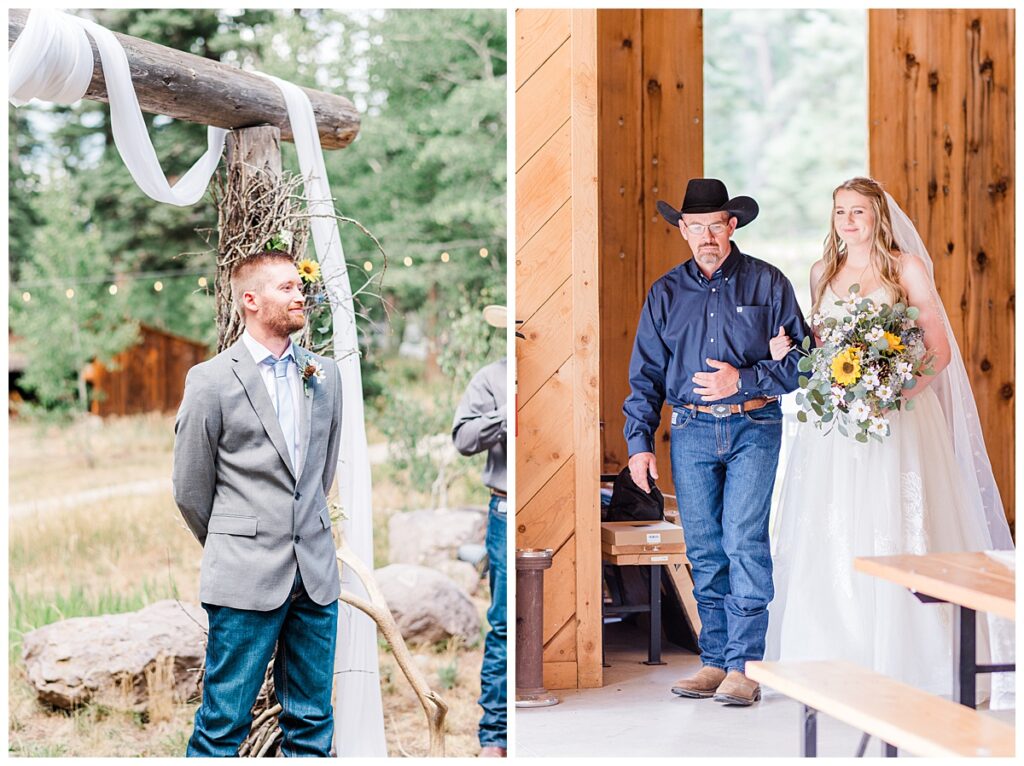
pixel 196 89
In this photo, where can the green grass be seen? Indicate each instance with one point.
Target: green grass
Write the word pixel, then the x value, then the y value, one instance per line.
pixel 29 610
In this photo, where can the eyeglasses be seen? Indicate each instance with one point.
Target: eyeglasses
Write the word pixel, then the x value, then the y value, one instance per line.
pixel 698 229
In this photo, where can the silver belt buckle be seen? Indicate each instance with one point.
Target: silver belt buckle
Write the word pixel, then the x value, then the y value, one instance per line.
pixel 720 410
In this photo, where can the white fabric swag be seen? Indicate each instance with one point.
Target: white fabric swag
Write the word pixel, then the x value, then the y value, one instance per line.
pixel 52 61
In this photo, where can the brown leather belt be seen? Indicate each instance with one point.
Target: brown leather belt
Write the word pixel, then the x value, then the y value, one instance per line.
pixel 498 493
pixel 724 410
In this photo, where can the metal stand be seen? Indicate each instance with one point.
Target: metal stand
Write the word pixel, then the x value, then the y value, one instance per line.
pixel 965 652
pixel 653 607
pixel 530 566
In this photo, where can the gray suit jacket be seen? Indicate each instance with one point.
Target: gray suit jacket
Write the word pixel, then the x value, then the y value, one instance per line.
pixel 235 485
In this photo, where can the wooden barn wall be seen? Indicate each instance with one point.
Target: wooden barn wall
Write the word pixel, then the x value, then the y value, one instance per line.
pixel 147 377
pixel 650 67
pixel 557 448
pixel 941 112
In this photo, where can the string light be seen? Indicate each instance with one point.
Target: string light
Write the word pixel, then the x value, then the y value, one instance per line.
pixel 69 293
pixel 407 261
pixel 158 285
pixel 483 252
pixel 445 257
pixel 368 266
pixel 112 289
pixel 202 281
pixel 26 296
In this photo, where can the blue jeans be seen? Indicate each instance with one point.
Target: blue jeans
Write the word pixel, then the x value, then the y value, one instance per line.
pixel 239 646
pixel 724 472
pixel 494 672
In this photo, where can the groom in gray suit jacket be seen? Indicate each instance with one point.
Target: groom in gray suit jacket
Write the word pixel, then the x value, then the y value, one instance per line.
pixel 255 450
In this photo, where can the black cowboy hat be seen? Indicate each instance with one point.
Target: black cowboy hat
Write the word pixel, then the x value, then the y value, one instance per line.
pixel 708 195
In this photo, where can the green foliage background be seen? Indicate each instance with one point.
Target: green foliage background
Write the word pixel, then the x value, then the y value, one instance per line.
pixel 785 102
pixel 426 175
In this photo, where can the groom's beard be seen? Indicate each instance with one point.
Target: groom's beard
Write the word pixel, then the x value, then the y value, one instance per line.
pixel 284 322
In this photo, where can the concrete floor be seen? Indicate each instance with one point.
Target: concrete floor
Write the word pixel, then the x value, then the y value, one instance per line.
pixel 635 714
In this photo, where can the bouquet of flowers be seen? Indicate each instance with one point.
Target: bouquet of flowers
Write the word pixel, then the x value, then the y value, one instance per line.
pixel 867 359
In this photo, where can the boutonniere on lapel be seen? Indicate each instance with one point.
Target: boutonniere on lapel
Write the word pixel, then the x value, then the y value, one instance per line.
pixel 312 374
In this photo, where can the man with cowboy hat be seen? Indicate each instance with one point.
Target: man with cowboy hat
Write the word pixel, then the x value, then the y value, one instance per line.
pixel 702 346
pixel 481 423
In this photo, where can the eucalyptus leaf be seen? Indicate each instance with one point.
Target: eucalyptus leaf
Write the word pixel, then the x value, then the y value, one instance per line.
pixel 801 416
pixel 806 343
pixel 804 365
pixel 909 405
pixel 862 438
pixel 803 381
pixel 913 312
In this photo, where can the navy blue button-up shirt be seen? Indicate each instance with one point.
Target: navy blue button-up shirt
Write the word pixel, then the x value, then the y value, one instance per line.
pixel 688 318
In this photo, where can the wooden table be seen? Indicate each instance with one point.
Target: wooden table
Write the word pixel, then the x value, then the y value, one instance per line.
pixel 971 582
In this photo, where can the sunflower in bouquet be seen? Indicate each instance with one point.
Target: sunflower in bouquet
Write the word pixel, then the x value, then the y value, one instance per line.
pixel 868 358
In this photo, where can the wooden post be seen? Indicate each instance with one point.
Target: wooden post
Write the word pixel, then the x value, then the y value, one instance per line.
pixel 253 169
pixel 196 89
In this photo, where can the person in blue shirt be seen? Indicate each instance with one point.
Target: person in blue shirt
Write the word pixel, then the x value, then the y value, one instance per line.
pixel 702 345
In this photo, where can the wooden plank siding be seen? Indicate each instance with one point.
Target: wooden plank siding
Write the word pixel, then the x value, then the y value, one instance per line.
pixel 557 447
pixel 941 112
pixel 149 376
pixel 652 141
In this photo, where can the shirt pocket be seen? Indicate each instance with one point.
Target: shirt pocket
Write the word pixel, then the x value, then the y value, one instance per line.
pixel 752 331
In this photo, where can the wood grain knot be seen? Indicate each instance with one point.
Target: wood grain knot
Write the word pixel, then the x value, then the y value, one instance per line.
pixel 949 248
pixel 933 189
pixel 981 259
pixel 933 80
pixel 911 62
pixel 985 365
pixel 1006 391
pixel 627 43
pixel 999 187
pixel 653 87
pixel 985 70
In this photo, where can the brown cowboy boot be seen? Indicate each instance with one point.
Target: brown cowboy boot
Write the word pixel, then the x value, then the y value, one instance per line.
pixel 701 685
pixel 737 689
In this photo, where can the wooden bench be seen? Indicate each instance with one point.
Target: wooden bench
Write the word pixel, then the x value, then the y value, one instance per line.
pixel 902 717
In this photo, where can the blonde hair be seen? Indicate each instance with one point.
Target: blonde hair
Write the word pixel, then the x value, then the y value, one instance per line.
pixel 885 255
pixel 248 276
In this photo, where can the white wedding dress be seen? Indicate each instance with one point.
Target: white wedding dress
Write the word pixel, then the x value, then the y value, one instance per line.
pixel 842 499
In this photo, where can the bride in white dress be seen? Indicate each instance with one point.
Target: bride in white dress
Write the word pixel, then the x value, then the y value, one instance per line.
pixel 927 487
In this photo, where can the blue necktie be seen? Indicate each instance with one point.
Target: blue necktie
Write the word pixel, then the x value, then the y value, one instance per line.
pixel 285 405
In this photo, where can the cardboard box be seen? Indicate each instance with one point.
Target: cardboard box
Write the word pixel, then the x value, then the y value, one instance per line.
pixel 640 533
pixel 618 550
pixel 644 559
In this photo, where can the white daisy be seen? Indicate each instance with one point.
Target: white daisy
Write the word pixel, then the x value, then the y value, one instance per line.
pixel 884 393
pixel 860 411
pixel 878 426
pixel 870 380
pixel 875 334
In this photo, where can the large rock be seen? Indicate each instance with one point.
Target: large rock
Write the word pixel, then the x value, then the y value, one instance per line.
pixel 428 606
pixel 429 536
pixel 120 660
pixel 462 574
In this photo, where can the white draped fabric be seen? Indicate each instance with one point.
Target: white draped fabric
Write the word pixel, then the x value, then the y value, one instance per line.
pixel 359 715
pixel 52 61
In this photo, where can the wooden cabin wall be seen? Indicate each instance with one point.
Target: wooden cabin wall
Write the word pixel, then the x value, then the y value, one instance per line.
pixel 557 447
pixel 941 112
pixel 651 70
